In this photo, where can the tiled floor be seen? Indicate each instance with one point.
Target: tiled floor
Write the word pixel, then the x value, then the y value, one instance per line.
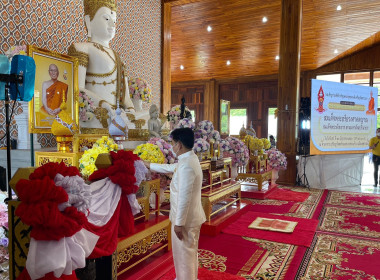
pixel 367 180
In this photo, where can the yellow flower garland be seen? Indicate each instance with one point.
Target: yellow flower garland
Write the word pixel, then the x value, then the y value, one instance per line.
pixel 149 152
pixel 88 159
pixel 253 143
pixel 266 143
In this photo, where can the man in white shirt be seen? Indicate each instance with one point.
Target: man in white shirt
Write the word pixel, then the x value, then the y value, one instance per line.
pixel 186 211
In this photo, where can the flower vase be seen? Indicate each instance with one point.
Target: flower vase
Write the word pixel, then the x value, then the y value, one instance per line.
pixel 256 153
pixel 274 176
pixel 234 172
pixel 137 103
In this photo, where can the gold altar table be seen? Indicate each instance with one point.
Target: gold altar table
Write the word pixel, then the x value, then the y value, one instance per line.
pixel 153 232
pixel 217 186
pixel 222 194
pixel 255 178
pixel 70 159
pixel 150 238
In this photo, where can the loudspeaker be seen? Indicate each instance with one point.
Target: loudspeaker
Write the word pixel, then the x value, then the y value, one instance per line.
pixel 25 66
pixel 5 68
pixel 304 130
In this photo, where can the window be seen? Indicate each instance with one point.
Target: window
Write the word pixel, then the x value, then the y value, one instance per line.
pixel 193 114
pixel 272 122
pixel 359 78
pixel 238 118
pixel 330 77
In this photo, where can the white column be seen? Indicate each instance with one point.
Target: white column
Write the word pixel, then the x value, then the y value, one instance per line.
pixel 23 130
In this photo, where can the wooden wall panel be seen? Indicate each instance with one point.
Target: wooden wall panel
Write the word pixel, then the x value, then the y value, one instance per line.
pixel 256 97
pixel 194 98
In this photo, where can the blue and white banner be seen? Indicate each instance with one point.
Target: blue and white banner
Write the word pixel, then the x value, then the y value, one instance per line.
pixel 343 116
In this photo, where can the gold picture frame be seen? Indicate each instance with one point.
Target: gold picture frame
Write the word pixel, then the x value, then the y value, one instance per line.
pixel 56 81
pixel 224 117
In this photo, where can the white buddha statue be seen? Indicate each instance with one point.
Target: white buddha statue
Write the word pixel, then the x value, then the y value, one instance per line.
pixel 101 72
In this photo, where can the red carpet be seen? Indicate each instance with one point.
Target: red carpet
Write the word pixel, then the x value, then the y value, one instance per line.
pixel 205 274
pixel 341 258
pixel 288 195
pixel 247 256
pixel 357 222
pixel 357 200
pixel 302 236
pixel 276 207
pixel 318 205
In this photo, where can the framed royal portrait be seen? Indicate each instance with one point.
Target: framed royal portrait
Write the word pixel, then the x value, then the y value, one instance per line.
pixel 56 82
pixel 224 117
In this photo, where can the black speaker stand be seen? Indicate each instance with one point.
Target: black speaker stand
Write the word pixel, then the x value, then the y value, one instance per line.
pixel 302 180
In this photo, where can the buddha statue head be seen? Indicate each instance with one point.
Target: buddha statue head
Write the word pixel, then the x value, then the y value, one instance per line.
pixel 100 19
pixel 153 111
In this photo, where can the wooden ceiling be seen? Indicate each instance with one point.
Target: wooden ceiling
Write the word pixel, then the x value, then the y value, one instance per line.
pixel 239 35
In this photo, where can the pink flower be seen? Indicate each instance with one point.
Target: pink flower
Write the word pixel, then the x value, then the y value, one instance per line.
pixel 184 123
pixel 235 148
pixel 206 125
pixel 201 145
pixel 276 159
pixel 167 152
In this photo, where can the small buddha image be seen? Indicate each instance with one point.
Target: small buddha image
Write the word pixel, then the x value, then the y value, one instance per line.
pixel 154 123
pixel 321 99
pixel 371 106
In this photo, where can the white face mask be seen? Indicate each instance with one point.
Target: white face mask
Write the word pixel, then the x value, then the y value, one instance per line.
pixel 378 134
pixel 175 148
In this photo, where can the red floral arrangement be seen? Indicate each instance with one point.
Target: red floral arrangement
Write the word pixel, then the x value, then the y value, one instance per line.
pixel 40 198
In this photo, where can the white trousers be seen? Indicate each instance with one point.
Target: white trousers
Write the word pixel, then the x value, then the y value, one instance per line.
pixel 185 253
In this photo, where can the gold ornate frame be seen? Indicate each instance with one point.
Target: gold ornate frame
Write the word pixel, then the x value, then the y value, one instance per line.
pixel 224 117
pixel 54 57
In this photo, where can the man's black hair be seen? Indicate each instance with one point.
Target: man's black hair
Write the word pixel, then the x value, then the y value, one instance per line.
pixel 185 136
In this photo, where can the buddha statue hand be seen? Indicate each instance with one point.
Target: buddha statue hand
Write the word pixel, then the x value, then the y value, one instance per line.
pixel 153 133
pixel 108 107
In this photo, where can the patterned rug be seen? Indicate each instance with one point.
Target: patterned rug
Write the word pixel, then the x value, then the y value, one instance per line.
pixel 250 258
pixel 205 274
pixel 351 199
pixel 351 221
pixel 301 236
pixel 311 207
pixel 341 258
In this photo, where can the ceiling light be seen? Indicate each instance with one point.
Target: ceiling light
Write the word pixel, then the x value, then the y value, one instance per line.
pixel 336 51
pixel 265 19
pixel 181 67
pixel 339 7
pixel 277 57
pixel 209 28
pixel 228 62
